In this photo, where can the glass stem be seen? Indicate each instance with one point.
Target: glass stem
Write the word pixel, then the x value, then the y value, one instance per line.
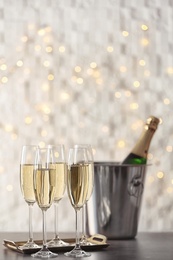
pixel 30 222
pixel 44 229
pixel 77 229
pixel 56 220
pixel 84 221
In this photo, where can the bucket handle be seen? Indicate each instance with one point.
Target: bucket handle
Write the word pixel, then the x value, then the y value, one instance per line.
pixel 135 187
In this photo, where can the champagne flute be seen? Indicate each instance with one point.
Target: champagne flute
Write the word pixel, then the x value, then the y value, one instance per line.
pixel 61 181
pixel 77 187
pixel 83 240
pixel 26 184
pixel 44 189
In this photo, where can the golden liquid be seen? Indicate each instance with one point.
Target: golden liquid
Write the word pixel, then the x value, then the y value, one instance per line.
pixel 61 179
pixel 78 184
pixel 44 187
pixel 90 180
pixel 26 182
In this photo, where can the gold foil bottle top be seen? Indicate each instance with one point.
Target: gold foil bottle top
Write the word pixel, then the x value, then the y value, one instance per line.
pixel 152 123
pixel 138 154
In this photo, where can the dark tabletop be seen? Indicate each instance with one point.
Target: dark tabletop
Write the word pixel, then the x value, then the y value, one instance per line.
pixel 153 246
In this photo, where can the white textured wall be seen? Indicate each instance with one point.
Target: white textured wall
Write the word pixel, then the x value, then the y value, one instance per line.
pixel 124 74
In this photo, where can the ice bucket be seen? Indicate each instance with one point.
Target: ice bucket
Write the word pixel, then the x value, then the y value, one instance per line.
pixel 114 207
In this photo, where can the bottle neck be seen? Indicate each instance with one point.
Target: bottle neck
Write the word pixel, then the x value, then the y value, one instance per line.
pixel 142 146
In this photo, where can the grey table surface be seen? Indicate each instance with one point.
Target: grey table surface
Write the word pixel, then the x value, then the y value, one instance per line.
pixel 154 246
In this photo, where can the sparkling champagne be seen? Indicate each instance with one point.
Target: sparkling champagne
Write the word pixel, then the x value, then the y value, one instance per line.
pixel 78 183
pixel 44 187
pixel 61 180
pixel 26 182
pixel 139 153
pixel 90 180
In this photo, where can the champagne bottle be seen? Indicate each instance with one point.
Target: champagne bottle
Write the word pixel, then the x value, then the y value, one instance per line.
pixel 138 154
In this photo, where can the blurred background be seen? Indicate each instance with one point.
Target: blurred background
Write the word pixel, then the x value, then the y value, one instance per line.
pixel 90 71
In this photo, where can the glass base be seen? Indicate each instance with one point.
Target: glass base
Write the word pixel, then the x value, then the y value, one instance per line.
pixel 84 241
pixel 77 252
pixel 29 245
pixel 56 242
pixel 44 253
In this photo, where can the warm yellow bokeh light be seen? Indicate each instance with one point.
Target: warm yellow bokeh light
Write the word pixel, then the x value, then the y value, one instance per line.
pixel 123 69
pixel 4 79
pixel 105 129
pixel 37 47
pixel 117 94
pixel 28 120
pixel 45 87
pixel 79 81
pixel 41 32
pixel 18 48
pixel 136 83
pixel 169 189
pixel 77 69
pixel 47 39
pixel 31 26
pixel 48 29
pixel 8 128
pixel 160 175
pixel 50 77
pixel 150 179
pixel 125 33
pixel 42 144
pixel 65 96
pixel 43 133
pixel 169 148
pixel 99 81
pixel 49 49
pixel 110 49
pixel 166 101
pixel 142 63
pixel 121 144
pixel 144 41
pixel 56 154
pixel 47 110
pixel 90 71
pixel 161 121
pixel 1 169
pixel 134 106
pixel 73 78
pixel 46 63
pixel 24 38
pixel 128 93
pixel 150 156
pixel 170 70
pixel 144 27
pixel 136 125
pixel 14 136
pixel 3 67
pixel 93 65
pixel 147 73
pixel 62 48
pixel 19 63
pixel 44 108
pixel 27 71
pixel 96 74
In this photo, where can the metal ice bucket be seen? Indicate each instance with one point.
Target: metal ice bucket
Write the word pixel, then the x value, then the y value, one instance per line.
pixel 114 207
